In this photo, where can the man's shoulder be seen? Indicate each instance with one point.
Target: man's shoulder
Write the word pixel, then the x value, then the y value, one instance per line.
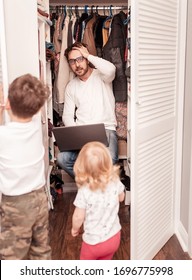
pixel 72 82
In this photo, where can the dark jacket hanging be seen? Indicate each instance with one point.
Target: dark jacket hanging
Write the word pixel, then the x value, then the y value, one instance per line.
pixel 114 51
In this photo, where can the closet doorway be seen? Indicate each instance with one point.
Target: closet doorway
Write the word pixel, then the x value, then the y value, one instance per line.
pixel 156 50
pixel 103 11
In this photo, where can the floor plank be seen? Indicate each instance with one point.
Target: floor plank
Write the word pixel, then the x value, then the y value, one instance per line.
pixel 66 247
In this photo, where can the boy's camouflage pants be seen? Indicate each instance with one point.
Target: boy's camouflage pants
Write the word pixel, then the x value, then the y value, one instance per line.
pixel 24 227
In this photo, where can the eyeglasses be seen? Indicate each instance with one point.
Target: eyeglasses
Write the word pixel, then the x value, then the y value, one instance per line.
pixel 78 59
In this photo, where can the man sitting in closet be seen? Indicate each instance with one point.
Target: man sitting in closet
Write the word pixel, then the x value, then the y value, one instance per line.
pixel 89 99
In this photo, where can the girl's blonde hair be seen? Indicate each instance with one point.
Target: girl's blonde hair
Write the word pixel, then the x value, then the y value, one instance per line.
pixel 94 166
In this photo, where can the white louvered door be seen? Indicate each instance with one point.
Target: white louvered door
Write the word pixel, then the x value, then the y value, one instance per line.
pixel 154 31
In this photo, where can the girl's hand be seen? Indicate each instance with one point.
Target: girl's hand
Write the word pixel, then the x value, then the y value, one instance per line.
pixel 74 233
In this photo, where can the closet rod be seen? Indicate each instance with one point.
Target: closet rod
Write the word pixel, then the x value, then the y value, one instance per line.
pixel 88 8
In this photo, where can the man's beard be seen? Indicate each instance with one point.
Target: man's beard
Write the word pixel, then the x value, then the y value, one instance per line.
pixel 81 71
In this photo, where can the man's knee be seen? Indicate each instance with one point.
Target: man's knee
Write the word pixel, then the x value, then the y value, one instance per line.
pixel 64 158
pixel 60 159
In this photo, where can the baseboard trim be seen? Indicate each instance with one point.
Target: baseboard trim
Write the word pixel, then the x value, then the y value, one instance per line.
pixel 182 236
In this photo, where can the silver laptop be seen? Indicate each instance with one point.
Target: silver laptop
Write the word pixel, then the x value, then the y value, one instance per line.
pixel 75 137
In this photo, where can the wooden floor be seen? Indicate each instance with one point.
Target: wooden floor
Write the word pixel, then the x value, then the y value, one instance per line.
pixel 66 247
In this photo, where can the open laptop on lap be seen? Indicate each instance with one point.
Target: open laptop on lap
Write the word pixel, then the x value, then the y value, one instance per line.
pixel 75 137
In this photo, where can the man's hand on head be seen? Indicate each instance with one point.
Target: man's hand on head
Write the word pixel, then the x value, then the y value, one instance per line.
pixel 83 50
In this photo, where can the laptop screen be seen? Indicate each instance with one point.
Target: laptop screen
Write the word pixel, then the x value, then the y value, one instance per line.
pixel 75 137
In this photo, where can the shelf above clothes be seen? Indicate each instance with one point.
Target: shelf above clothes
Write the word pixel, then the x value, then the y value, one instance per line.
pixel 87 8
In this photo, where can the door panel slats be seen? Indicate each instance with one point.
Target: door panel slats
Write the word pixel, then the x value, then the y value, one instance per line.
pixel 153 111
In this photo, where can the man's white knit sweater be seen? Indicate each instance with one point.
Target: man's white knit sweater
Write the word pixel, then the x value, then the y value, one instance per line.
pixel 93 99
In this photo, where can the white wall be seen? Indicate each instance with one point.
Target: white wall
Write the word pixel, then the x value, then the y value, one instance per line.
pixel 187 124
pixel 21 37
pixel 184 205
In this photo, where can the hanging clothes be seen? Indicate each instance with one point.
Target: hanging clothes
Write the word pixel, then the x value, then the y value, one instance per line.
pixel 79 27
pixel 114 51
pixel 106 38
pixel 121 117
pixel 98 35
pixel 64 72
pixel 106 30
pixel 88 36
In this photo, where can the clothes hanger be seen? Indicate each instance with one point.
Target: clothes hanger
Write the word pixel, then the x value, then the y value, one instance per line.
pixel 96 9
pixel 92 7
pixel 65 10
pixel 104 10
pixel 86 9
pixel 77 11
pixel 70 11
pixel 111 13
